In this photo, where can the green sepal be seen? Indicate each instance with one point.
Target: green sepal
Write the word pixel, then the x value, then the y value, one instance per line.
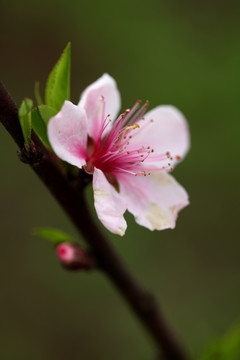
pixel 55 236
pixel 58 83
pixel 24 114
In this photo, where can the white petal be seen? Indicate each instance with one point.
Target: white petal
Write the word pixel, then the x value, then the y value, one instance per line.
pixel 164 129
pixel 154 200
pixel 109 204
pixel 105 86
pixel 67 133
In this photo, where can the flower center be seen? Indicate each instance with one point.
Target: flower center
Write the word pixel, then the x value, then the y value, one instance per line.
pixel 115 151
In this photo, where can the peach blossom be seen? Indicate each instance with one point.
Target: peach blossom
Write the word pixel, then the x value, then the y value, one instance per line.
pixel 129 158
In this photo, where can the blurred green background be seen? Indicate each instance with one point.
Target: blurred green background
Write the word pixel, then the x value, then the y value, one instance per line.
pixel 183 53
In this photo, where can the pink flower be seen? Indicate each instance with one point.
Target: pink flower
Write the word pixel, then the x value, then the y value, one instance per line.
pixel 129 158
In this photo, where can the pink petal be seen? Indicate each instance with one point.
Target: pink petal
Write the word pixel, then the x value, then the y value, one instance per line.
pixel 105 86
pixel 67 133
pixel 164 129
pixel 154 200
pixel 109 205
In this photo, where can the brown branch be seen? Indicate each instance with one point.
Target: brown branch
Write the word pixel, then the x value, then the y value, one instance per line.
pixel 74 204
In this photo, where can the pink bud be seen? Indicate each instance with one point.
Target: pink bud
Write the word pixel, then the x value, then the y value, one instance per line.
pixel 73 257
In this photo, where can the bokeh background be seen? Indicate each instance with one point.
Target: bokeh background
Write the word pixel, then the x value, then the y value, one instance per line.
pixel 171 52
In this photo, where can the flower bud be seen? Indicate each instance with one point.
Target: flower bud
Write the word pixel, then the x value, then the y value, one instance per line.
pixel 73 257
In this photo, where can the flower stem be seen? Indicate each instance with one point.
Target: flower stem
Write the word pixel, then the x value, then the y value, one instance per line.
pixel 73 202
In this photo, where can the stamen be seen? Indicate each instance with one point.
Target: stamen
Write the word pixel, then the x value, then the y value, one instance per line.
pixel 109 151
pixel 139 113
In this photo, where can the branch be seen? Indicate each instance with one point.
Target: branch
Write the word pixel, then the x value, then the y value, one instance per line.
pixel 74 204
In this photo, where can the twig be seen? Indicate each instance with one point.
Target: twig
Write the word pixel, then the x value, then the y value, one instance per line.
pixel 73 202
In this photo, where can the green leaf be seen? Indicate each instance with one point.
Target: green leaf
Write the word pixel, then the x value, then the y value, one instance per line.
pixel 37 93
pixel 228 348
pixel 46 113
pixel 55 236
pixel 40 118
pixel 39 127
pixel 58 83
pixel 24 114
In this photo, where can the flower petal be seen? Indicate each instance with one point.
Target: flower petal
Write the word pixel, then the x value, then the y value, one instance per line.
pixel 164 129
pixel 109 204
pixel 105 86
pixel 154 200
pixel 67 133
